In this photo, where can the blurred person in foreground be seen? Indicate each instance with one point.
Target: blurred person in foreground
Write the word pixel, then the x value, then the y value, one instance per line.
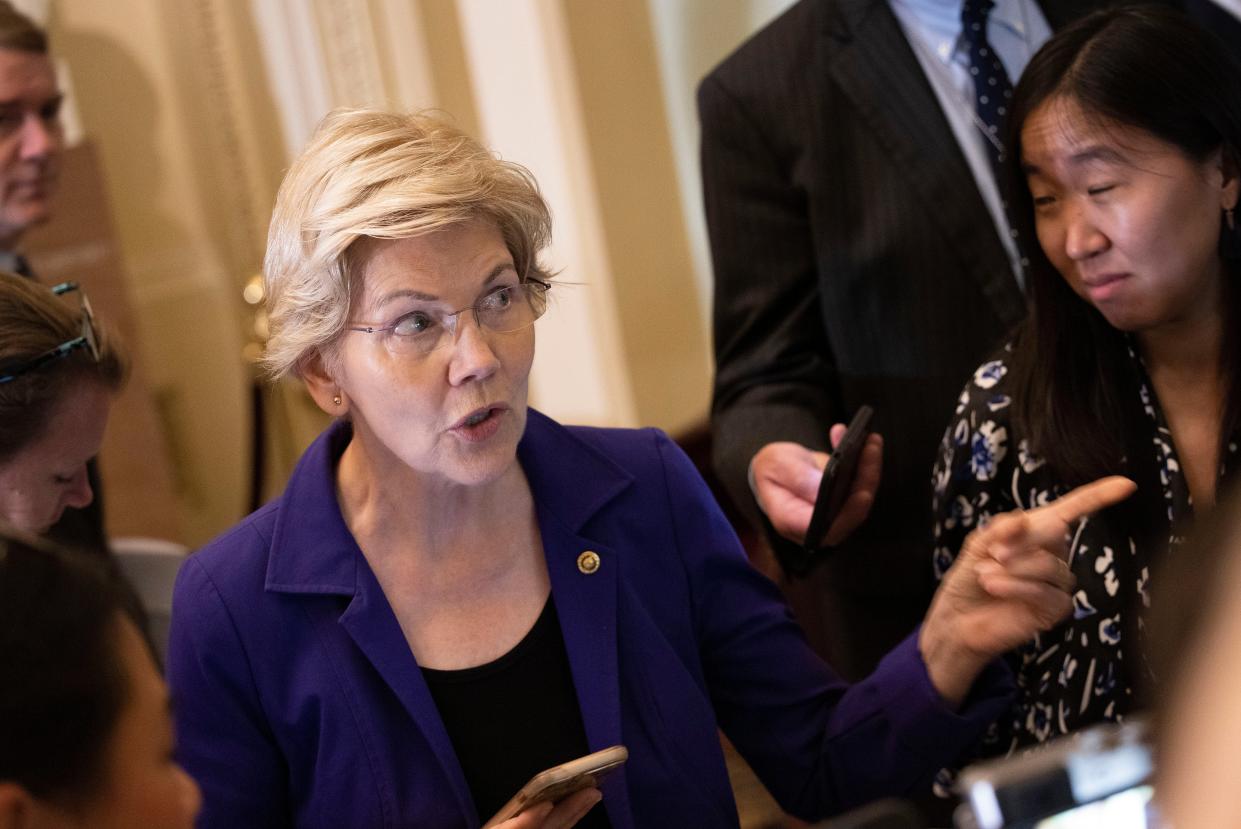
pixel 1126 167
pixel 86 735
pixel 455 592
pixel 59 373
pixel 1196 634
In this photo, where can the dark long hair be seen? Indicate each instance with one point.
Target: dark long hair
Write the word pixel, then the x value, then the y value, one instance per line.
pixel 1155 70
pixel 64 684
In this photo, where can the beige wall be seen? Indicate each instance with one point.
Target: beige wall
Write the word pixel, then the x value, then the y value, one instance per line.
pixel 662 327
pixel 166 90
pixel 197 106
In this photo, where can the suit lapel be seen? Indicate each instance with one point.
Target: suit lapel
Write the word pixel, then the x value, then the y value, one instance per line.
pixel 572 485
pixel 372 625
pixel 313 553
pixel 873 64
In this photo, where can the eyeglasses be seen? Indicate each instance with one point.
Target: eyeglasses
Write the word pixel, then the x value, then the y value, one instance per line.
pixel 504 310
pixel 86 339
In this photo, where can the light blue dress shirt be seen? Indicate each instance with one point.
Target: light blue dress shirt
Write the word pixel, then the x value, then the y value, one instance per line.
pixel 1015 29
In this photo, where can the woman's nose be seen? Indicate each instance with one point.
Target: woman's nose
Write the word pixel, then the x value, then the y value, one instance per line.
pixel 472 357
pixel 1083 237
pixel 79 493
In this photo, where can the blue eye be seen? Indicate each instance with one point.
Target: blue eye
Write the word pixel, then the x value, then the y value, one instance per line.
pixel 412 324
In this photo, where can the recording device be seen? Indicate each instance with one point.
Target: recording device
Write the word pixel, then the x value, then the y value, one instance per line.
pixel 560 781
pixel 1096 779
pixel 838 478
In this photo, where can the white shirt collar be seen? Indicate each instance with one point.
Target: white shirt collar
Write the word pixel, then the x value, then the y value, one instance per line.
pixel 939 22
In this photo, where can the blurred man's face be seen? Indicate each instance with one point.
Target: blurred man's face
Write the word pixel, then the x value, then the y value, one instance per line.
pixel 30 141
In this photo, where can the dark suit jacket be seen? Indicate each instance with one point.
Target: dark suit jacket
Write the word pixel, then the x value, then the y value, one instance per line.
pixel 855 262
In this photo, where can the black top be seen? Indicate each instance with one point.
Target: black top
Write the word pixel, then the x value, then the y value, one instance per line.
pixel 514 717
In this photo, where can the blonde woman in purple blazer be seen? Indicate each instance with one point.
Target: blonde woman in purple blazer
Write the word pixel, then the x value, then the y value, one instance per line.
pixel 455 592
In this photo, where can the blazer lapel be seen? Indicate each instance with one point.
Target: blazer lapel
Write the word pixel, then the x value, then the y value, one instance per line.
pixel 314 554
pixel 873 64
pixel 371 624
pixel 571 484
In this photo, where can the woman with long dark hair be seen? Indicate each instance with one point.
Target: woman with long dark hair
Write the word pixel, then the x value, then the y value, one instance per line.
pixel 1123 145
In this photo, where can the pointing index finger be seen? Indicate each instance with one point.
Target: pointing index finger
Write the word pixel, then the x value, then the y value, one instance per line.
pixel 1088 498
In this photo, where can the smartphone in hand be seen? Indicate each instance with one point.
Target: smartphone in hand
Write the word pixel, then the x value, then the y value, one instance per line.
pixel 560 781
pixel 838 478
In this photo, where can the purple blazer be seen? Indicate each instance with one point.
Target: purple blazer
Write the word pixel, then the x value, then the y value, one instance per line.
pixel 299 703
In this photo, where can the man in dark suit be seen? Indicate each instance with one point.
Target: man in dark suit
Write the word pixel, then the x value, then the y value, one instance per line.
pixel 31 147
pixel 859 259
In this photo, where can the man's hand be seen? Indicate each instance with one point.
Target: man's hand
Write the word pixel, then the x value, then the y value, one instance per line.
pixel 1010 581
pixel 785 479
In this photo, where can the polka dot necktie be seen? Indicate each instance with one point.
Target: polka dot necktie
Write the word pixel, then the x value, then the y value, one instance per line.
pixel 993 93
pixel 992 89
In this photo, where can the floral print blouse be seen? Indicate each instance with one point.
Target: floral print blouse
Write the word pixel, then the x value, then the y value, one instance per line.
pixel 1074 675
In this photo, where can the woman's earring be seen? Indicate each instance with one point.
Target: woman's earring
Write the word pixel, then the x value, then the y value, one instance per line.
pixel 336 400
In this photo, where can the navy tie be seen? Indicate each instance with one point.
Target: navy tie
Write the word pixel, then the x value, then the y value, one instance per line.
pixel 992 94
pixel 992 89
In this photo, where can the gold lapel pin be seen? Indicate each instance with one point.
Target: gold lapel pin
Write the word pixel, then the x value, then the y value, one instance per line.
pixel 588 562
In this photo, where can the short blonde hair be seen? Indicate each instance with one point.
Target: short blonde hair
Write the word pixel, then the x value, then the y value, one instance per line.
pixel 380 175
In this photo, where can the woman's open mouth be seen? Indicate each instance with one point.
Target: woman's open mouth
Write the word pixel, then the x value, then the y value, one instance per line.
pixel 480 424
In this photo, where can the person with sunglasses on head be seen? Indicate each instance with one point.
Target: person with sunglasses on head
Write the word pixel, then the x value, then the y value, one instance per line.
pixel 456 592
pixel 59 373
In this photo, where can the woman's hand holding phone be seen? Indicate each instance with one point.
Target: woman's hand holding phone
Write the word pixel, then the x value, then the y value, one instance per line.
pixel 560 815
pixel 559 797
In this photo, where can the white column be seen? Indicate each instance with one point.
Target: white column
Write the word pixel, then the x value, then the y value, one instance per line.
pixel 322 54
pixel 530 111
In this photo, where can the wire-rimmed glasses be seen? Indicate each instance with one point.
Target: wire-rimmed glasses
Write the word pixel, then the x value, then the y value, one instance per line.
pixel 502 310
pixel 87 339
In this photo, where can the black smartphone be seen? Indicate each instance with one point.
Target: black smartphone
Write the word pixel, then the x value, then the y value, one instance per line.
pixel 838 478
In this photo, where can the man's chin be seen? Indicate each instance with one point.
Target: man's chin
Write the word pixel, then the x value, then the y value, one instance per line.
pixel 14 222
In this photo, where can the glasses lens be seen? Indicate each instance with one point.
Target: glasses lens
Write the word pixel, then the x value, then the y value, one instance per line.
pixel 502 311
pixel 512 309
